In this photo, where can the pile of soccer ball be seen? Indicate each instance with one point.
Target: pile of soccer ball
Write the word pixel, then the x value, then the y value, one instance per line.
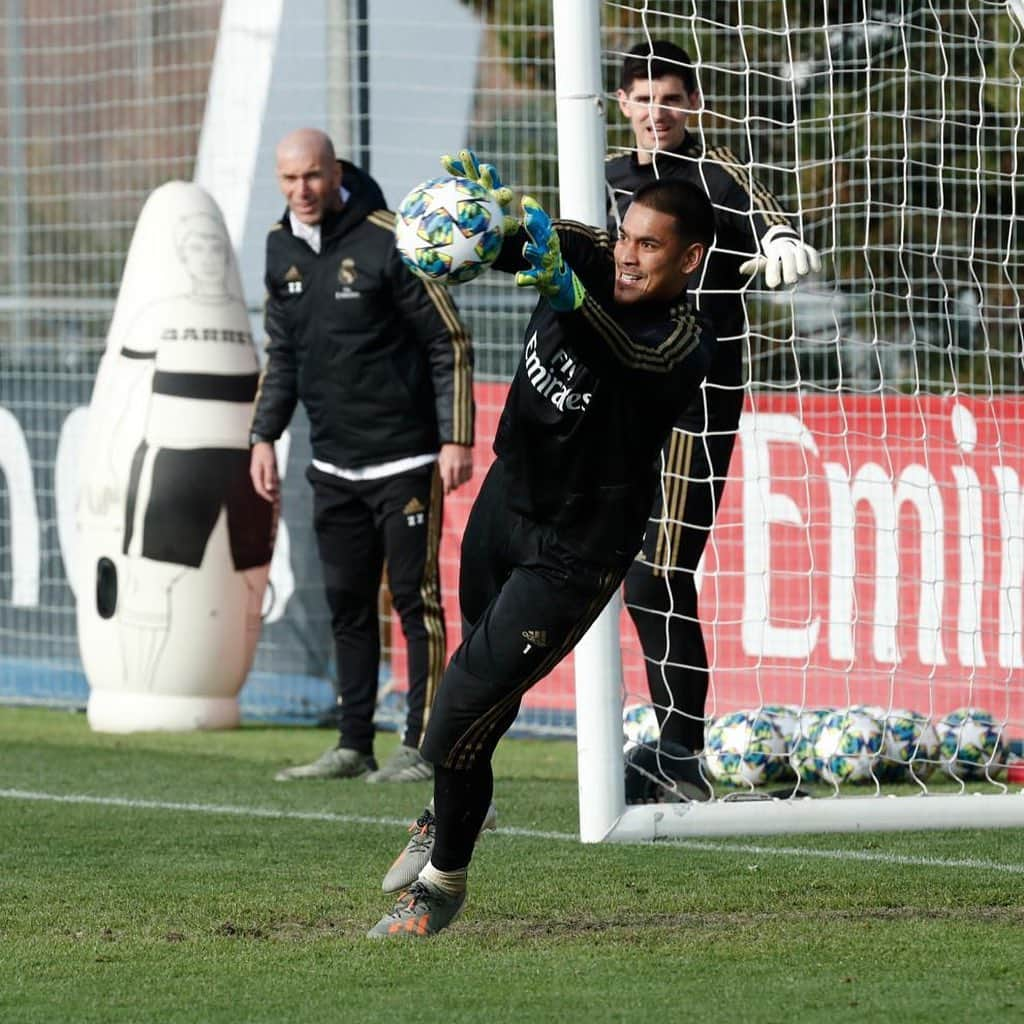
pixel 859 744
pixel 862 744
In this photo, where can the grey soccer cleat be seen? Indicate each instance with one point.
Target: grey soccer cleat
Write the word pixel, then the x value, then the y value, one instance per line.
pixel 416 855
pixel 336 763
pixel 406 764
pixel 421 910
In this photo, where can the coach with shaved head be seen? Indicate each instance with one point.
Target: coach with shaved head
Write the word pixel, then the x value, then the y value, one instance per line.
pixel 382 365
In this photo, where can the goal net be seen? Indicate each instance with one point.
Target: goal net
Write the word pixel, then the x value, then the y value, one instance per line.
pixel 860 591
pixel 105 101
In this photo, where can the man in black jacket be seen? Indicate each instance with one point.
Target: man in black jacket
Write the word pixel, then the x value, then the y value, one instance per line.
pixel 382 364
pixel 658 93
pixel 611 355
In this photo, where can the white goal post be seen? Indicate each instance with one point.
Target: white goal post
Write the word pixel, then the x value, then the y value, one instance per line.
pixel 581 144
pixel 987 616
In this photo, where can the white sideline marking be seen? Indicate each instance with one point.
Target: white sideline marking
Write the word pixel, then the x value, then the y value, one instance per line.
pixel 894 859
pixel 167 805
pixel 244 812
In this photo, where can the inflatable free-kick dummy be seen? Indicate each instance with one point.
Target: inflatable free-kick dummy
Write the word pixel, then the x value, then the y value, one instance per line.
pixel 174 545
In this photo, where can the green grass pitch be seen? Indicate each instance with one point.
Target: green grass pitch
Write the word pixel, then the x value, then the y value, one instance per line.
pixel 169 878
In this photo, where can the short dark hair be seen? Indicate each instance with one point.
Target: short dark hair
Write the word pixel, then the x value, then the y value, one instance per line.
pixel 656 60
pixel 687 204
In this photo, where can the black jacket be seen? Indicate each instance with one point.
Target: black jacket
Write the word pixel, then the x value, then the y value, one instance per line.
pixel 744 212
pixel 379 358
pixel 594 398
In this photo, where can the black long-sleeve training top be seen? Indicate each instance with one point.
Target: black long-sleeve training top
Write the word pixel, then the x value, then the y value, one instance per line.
pixel 592 401
pixel 379 358
pixel 744 213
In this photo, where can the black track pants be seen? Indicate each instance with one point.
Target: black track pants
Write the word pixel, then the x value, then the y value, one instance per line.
pixel 660 592
pixel 360 526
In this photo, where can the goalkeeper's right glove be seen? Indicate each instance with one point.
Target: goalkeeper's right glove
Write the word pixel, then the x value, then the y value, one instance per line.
pixel 785 258
pixel 465 165
pixel 548 272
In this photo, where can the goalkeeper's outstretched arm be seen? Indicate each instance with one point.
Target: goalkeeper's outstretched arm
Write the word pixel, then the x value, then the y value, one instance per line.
pixel 784 257
pixel 757 215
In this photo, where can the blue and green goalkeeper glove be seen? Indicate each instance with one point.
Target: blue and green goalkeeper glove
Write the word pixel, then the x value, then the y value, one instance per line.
pixel 465 165
pixel 548 272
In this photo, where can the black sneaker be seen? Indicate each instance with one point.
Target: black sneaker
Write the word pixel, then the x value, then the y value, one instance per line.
pixel 664 773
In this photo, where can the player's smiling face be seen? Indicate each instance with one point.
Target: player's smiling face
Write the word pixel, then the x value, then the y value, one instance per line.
pixel 652 263
pixel 657 109
pixel 309 182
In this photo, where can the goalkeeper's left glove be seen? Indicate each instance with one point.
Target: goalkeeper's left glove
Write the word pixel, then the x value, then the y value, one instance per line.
pixel 548 272
pixel 785 258
pixel 465 165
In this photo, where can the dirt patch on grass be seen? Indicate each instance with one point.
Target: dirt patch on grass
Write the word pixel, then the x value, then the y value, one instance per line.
pixel 734 921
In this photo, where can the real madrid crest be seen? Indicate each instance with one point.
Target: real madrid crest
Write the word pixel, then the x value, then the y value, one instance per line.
pixel 347 272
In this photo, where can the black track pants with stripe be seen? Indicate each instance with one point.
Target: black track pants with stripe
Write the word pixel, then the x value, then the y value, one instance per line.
pixel 660 593
pixel 359 526
pixel 526 601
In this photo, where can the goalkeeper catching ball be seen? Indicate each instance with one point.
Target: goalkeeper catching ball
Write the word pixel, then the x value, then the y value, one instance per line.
pixel 612 354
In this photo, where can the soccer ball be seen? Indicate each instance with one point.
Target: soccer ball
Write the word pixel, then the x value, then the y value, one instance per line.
pixel 803 757
pixel 639 726
pixel 448 230
pixel 971 744
pixel 786 718
pixel 910 746
pixel 745 748
pixel 847 746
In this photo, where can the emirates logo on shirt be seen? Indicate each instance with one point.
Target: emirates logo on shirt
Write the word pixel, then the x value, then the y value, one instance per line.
pixel 554 381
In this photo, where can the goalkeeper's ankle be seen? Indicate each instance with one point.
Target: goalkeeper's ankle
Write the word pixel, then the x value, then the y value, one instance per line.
pixel 451 883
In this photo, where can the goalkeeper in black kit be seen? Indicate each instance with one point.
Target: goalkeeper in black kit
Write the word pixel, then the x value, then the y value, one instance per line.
pixel 611 356
pixel 658 92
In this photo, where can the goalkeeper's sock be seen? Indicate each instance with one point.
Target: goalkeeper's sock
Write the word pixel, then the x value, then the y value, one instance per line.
pixel 451 883
pixel 461 802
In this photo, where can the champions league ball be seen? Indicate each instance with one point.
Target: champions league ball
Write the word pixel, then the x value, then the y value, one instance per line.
pixel 847 746
pixel 803 757
pixel 971 744
pixel 910 746
pixel 803 760
pixel 448 230
pixel 745 748
pixel 786 718
pixel 639 726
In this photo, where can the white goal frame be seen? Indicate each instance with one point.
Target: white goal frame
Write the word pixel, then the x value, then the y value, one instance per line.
pixel 604 815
